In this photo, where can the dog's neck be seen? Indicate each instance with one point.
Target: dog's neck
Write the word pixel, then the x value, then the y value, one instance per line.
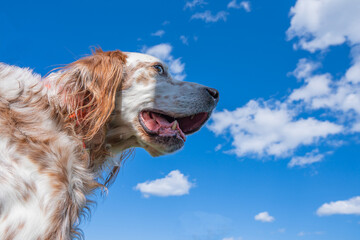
pixel 110 140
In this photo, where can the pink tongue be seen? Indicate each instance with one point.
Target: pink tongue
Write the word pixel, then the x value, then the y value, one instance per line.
pixel 161 120
pixel 160 125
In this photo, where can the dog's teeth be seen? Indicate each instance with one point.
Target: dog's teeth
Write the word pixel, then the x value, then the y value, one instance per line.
pixel 174 126
pixel 192 116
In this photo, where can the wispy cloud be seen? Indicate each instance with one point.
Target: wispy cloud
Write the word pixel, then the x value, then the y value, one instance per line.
pixel 232 238
pixel 204 226
pixel 158 33
pixel 184 39
pixel 163 52
pixel 207 16
pixel 264 217
pixel 173 184
pixel 244 4
pixel 194 3
pixel 350 206
pixel 308 159
pixel 302 233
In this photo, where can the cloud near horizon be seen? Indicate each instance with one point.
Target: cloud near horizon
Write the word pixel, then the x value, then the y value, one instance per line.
pixel 232 238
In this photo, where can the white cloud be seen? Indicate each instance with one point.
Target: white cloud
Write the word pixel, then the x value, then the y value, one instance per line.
pixel 350 206
pixel 194 3
pixel 244 4
pixel 260 128
pixel 316 86
pixel 208 17
pixel 356 127
pixel 163 52
pixel 232 238
pixel 173 184
pixel 264 217
pixel 305 68
pixel 344 97
pixel 309 158
pixel 353 73
pixel 176 66
pixel 321 91
pixel 184 40
pixel 158 33
pixel 323 23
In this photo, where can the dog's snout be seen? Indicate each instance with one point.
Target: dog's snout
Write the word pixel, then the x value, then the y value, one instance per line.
pixel 213 93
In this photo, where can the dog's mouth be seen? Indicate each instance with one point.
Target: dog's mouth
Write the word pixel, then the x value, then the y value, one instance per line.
pixel 163 125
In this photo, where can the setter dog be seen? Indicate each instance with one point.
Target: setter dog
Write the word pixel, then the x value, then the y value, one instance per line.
pixel 58 133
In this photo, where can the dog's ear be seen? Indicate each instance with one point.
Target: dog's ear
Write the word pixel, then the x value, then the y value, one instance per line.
pixel 89 88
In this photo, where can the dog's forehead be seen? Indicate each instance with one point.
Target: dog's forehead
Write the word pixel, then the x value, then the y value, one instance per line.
pixel 134 58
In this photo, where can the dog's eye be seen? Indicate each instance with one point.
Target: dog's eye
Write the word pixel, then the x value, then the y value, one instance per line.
pixel 159 69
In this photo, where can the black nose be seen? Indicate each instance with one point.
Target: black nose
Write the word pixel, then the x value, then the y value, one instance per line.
pixel 213 92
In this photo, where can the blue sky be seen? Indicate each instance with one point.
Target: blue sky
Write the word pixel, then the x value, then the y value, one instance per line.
pixel 279 160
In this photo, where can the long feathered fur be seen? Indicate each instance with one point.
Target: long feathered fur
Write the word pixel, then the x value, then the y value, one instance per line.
pixel 76 102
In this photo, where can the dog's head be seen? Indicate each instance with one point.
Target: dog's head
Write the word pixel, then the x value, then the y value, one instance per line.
pixel 159 110
pixel 134 101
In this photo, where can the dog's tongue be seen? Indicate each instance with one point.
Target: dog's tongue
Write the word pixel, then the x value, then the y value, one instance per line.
pixel 160 125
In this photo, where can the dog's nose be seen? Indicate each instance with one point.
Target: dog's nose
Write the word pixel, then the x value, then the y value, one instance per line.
pixel 213 92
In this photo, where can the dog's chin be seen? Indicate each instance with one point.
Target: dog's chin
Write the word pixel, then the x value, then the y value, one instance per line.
pixel 158 146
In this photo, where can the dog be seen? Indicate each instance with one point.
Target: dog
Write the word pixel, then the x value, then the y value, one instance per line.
pixel 58 133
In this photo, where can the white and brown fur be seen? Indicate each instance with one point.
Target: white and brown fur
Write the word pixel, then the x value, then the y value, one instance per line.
pixel 57 134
